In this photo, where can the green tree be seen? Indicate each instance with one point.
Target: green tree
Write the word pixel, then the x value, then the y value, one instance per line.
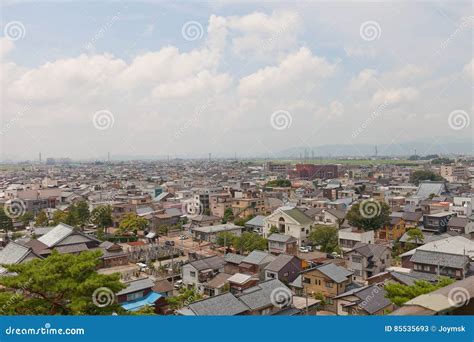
pixel 132 223
pixel 273 230
pixel 369 215
pixel 82 213
pixel 399 293
pixel 101 216
pixel 62 284
pixel 225 238
pixel 6 223
pixel 416 235
pixel 326 237
pixel 423 175
pixel 242 221
pixel 59 216
pixel 26 218
pixel 147 310
pixel 184 298
pixel 248 242
pixel 228 215
pixel 279 183
pixel 41 219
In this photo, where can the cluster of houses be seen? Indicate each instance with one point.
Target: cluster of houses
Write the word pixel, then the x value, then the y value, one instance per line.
pixel 198 203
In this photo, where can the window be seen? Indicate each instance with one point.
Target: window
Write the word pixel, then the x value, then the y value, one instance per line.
pixel 134 296
pixel 306 280
pixel 302 229
pixel 357 259
pixel 329 284
pixel 192 274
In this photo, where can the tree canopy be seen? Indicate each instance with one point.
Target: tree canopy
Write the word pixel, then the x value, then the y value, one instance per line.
pixel 6 223
pixel 101 216
pixel 62 284
pixel 132 223
pixel 326 237
pixel 41 219
pixel 369 215
pixel 423 175
pixel 279 183
pixel 399 293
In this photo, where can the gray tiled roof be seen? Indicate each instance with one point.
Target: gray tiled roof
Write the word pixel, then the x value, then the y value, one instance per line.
pixel 280 238
pixel 336 273
pixel 281 261
pixel 425 189
pixel 137 285
pixel 369 249
pixel 260 296
pixel 57 234
pixel 13 253
pixel 258 258
pixel 371 298
pixel 234 258
pixel 441 259
pixel 214 262
pixel 223 305
pixel 257 221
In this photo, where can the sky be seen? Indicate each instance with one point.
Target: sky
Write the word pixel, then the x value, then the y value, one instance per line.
pixel 181 78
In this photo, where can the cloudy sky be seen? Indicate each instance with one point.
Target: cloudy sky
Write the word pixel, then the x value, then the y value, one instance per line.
pixel 183 78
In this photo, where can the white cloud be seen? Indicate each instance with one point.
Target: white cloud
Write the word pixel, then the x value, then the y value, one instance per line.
pixel 394 96
pixel 295 72
pixel 469 70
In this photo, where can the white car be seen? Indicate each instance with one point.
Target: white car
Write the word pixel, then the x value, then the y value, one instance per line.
pixel 304 249
pixel 178 284
pixel 183 237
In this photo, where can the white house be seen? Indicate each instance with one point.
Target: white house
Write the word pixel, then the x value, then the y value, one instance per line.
pixel 289 221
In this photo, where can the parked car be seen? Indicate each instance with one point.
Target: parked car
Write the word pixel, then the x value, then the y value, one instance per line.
pixel 183 237
pixel 169 243
pixel 304 249
pixel 178 284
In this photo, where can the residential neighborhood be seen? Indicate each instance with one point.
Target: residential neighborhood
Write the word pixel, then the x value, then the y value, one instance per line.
pixel 230 237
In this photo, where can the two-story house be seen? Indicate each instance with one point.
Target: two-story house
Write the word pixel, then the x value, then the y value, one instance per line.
pixel 289 221
pixel 285 268
pixel 366 260
pixel 197 273
pixel 280 243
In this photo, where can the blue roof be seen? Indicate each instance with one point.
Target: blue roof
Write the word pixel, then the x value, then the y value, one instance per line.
pixel 135 305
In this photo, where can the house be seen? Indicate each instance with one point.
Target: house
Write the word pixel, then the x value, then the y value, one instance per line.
pixel 366 260
pixel 204 220
pixel 437 222
pixel 199 272
pixel 285 268
pixel 65 239
pixel 393 230
pixel 427 237
pixel 328 281
pixel 15 253
pixel 210 233
pixel 138 294
pixel 412 219
pixel 332 217
pixel 255 224
pixel 349 237
pixel 450 257
pixel 232 262
pixel 254 264
pixel 454 299
pixel 426 188
pixel 289 221
pixel 363 301
pixel 112 255
pixel 240 282
pixel 267 298
pixel 457 225
pixel 280 243
pixel 216 285
pixel 163 287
